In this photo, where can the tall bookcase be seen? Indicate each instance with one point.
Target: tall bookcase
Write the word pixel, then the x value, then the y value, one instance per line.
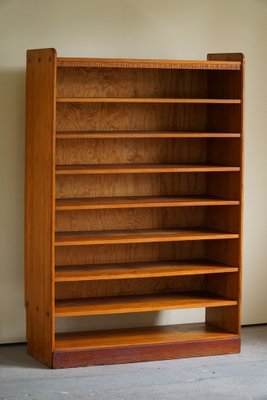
pixel 134 194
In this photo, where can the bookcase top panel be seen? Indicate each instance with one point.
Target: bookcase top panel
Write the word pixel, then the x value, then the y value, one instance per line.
pixel 147 63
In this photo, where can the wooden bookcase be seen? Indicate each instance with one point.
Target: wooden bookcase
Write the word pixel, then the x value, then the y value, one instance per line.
pixel 134 194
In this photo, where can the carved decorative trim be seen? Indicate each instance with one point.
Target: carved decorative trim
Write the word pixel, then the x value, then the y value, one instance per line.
pixel 109 63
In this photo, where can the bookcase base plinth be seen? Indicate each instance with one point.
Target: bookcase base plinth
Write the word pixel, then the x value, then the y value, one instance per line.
pixel 76 349
pixel 141 353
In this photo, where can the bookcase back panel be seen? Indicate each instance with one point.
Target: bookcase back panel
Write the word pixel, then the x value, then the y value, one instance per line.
pixel 135 252
pixel 226 318
pixel 224 285
pixel 137 82
pixel 129 117
pixel 130 82
pixel 219 217
pixel 130 185
pixel 225 219
pixel 117 151
pixel 132 218
pixel 224 251
pixel 224 84
pixel 117 287
pixel 224 118
pixel 227 285
pixel 224 152
pixel 224 185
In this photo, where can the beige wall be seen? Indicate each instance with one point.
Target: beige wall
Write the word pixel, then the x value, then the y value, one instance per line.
pixel 185 29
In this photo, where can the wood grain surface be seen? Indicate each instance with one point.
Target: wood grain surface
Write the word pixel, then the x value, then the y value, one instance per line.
pixel 67 273
pixel 139 236
pixel 136 252
pixel 142 135
pixel 140 303
pixel 231 320
pixel 140 202
pixel 39 202
pixel 149 63
pixel 141 168
pixel 156 184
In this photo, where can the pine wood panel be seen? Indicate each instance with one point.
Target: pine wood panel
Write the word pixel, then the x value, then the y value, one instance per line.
pixel 124 151
pixel 132 151
pixel 140 202
pixel 67 273
pixel 123 116
pixel 133 252
pixel 140 353
pixel 139 236
pixel 110 185
pixel 140 168
pixel 143 134
pixel 137 336
pixel 144 100
pixel 144 83
pixel 116 185
pixel 39 194
pixel 127 83
pixel 229 186
pixel 225 251
pixel 125 287
pixel 220 218
pixel 224 285
pixel 149 117
pixel 231 320
pixel 223 84
pixel 125 304
pixel 225 118
pixel 142 344
pixel 225 152
pixel 223 219
pixel 131 219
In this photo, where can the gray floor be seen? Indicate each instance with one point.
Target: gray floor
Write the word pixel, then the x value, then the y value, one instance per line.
pixel 242 376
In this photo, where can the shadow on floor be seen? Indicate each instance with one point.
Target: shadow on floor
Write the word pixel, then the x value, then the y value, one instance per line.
pixel 15 355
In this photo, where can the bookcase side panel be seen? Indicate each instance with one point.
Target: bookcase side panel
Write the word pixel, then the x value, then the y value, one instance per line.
pixel 39 202
pixel 230 319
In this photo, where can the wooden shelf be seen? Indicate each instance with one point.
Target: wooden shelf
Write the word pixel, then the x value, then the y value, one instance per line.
pixel 147 63
pixel 154 100
pixel 139 303
pixel 73 273
pixel 140 168
pixel 142 344
pixel 140 202
pixel 142 134
pixel 139 236
pixel 139 336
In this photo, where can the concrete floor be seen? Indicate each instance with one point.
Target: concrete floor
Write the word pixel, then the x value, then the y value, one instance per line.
pixel 233 377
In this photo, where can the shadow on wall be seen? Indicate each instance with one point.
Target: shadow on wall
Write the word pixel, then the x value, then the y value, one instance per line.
pixel 99 322
pixel 134 320
pixel 12 111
